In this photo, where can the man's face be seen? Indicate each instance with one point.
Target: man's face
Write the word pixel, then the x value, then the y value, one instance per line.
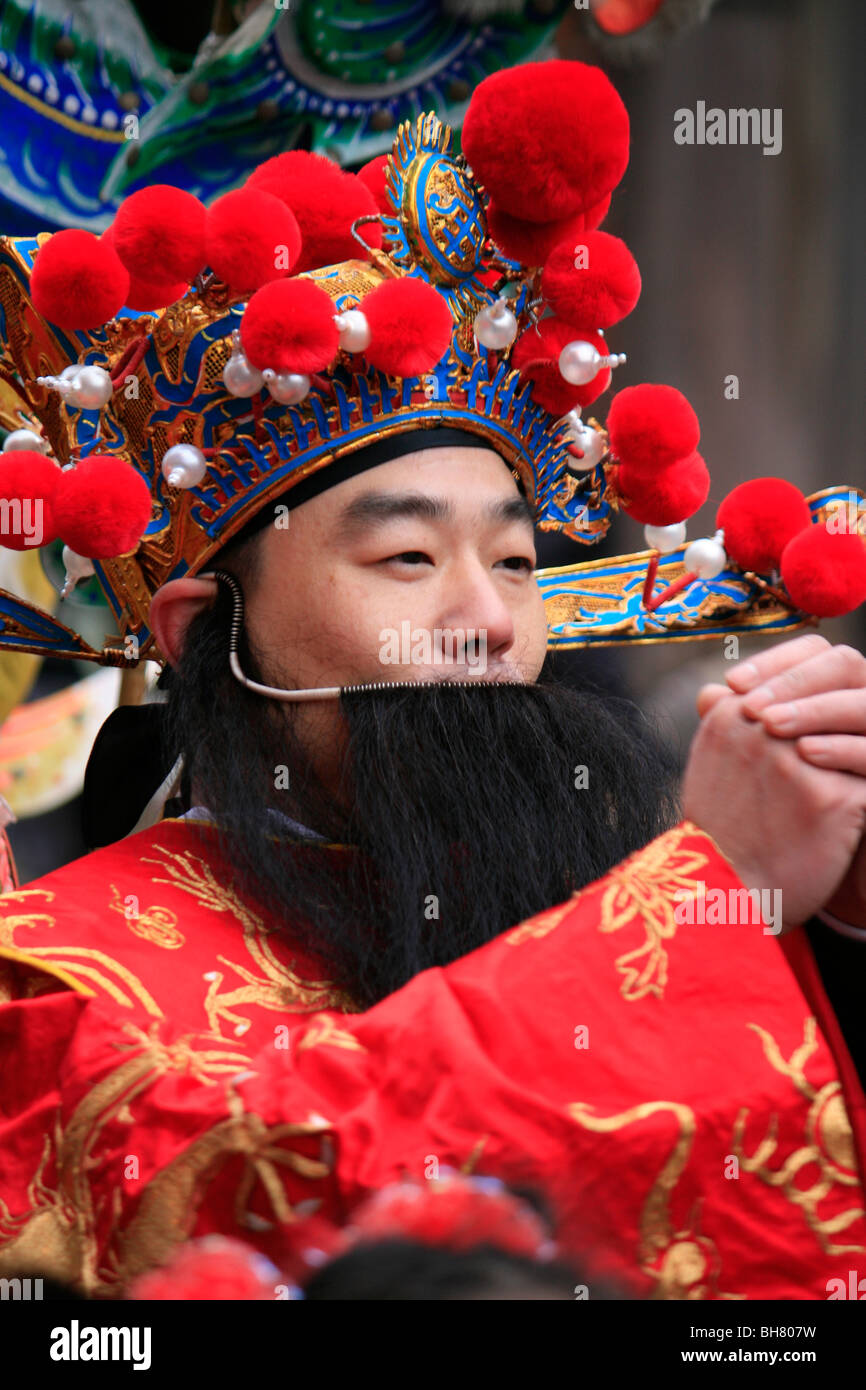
pixel 419 569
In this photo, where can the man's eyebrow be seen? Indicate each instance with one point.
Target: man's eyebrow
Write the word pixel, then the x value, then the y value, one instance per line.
pixel 373 509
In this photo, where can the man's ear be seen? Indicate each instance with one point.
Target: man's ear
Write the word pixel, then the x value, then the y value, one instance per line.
pixel 173 608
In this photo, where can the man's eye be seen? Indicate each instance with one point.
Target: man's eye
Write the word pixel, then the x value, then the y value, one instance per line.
pixel 519 562
pixel 410 557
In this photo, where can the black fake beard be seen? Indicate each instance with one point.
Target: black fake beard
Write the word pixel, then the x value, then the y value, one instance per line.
pixel 471 807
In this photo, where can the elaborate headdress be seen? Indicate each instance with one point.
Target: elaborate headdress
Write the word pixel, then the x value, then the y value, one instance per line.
pixel 194 366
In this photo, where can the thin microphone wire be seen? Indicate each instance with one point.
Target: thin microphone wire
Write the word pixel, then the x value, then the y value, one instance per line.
pixel 327 692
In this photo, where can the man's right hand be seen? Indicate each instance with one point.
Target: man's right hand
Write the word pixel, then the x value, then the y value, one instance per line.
pixel 781 822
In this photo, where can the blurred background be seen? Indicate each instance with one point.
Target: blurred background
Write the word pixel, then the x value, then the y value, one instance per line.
pixel 751 263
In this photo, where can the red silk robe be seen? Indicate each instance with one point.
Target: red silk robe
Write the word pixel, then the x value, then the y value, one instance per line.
pixel 171 1065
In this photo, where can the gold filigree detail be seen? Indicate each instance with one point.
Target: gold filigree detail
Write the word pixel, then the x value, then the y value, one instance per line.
pixel 277 987
pixel 642 891
pixel 324 1032
pixel 156 924
pixel 830 1146
pixel 684 1264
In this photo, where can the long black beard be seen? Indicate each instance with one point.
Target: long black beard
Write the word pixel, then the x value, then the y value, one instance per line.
pixel 472 808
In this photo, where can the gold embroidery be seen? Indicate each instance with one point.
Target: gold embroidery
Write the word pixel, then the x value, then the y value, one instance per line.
pixel 641 891
pixel 323 1030
pixel 113 978
pixel 156 924
pixel 277 987
pixel 684 1264
pixel 830 1147
pixel 538 927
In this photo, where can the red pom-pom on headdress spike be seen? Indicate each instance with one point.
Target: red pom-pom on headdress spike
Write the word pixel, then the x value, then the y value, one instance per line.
pixel 102 507
pixel 30 479
pixel 410 327
pixel 143 294
pixel 532 242
pixel 824 571
pixel 326 200
pixel 288 326
pixel 664 498
pixel 759 518
pixel 536 356
pixel 251 238
pixel 158 233
pixel 374 175
pixel 596 281
pixel 651 427
pixel 546 139
pixel 78 281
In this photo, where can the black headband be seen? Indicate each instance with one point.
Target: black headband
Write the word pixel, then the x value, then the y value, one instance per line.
pixel 390 446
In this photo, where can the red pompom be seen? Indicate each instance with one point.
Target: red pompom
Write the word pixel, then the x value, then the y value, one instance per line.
pixel 532 242
pixel 824 571
pixel 251 238
pixel 375 175
pixel 536 356
pixel 326 200
pixel 546 139
pixel 289 326
pixel 212 1267
pixel 145 294
pixel 78 280
pixel 31 479
pixel 102 507
pixel 600 289
pixel 651 427
pixel 456 1212
pixel 158 233
pixel 661 499
pixel 410 327
pixel 759 518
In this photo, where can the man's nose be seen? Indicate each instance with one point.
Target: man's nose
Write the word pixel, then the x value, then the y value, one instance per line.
pixel 474 604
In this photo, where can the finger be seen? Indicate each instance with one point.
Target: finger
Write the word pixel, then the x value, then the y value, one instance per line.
pixel 839 752
pixel 747 674
pixel 835 668
pixel 834 712
pixel 709 696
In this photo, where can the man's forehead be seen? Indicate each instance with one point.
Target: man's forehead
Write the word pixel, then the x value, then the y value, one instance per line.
pixel 376 506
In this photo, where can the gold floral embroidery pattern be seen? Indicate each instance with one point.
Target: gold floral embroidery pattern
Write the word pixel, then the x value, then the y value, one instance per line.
pixel 542 925
pixel 156 924
pixel 56 1234
pixel 87 967
pixel 684 1264
pixel 277 987
pixel 642 891
pixel 323 1031
pixel 829 1144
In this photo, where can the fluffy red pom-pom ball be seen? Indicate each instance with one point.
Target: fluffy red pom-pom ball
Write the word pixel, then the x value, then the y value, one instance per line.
pixel 289 326
pixel 825 571
pixel 532 242
pixel 212 1267
pixel 326 200
pixel 102 507
pixel 158 233
pixel 651 427
pixel 251 238
pixel 78 280
pixel 28 477
pixel 410 327
pixel 661 499
pixel 536 356
pixel 759 518
pixel 150 294
pixel 375 175
pixel 596 281
pixel 546 139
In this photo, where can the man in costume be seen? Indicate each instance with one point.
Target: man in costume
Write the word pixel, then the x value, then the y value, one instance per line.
pixel 452 921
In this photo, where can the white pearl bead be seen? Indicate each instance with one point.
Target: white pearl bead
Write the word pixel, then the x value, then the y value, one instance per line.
pixel 665 538
pixel 287 388
pixel 592 444
pixel 496 326
pixel 76 567
pixel 705 558
pixel 91 388
pixel 579 362
pixel 183 465
pixel 24 439
pixel 354 330
pixel 240 378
